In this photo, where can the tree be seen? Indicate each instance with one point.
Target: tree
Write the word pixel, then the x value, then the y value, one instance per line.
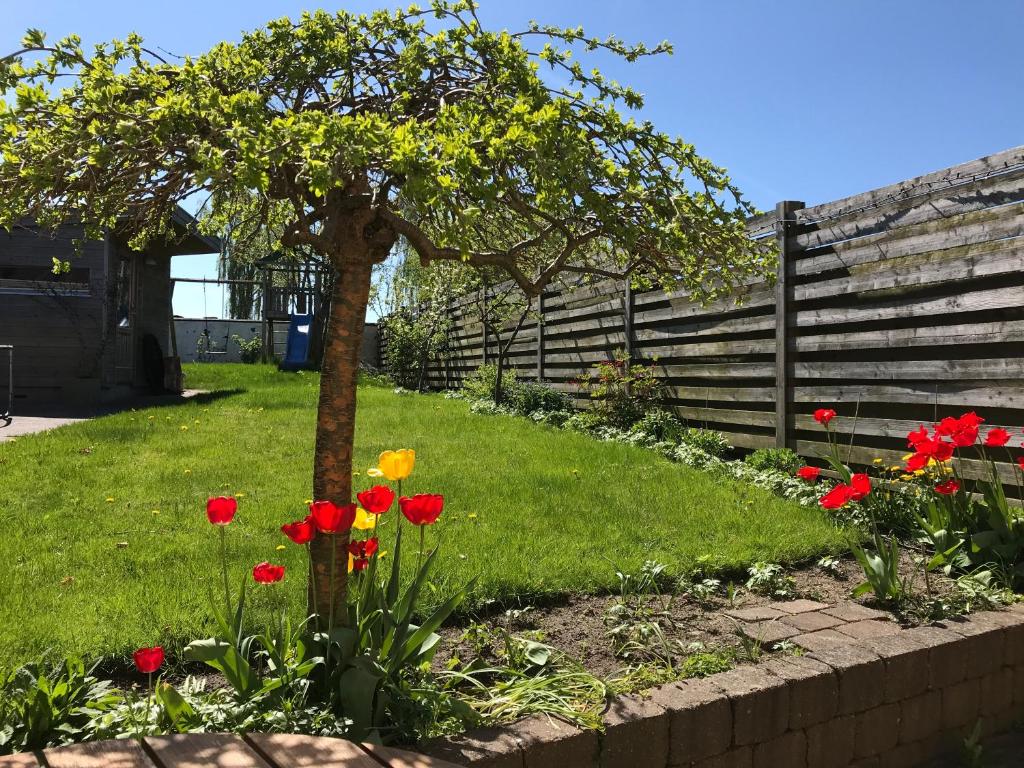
pixel 501 309
pixel 416 124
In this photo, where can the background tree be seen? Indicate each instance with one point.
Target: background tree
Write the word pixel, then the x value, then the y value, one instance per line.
pixel 416 123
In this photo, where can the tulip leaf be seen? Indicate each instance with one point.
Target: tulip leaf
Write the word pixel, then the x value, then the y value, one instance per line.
pixel 174 704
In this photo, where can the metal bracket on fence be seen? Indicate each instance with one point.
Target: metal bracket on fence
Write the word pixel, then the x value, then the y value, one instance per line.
pixel 6 415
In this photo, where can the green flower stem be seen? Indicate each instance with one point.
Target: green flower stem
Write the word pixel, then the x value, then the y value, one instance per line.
pixel 334 569
pixel 224 568
pixel 312 580
pixel 419 560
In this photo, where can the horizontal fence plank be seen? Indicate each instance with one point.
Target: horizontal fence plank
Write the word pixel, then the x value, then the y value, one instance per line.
pixel 954 232
pixel 975 196
pixel 992 394
pixel 946 178
pixel 999 258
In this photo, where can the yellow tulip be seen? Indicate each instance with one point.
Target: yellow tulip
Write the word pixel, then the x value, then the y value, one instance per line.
pixel 364 520
pixel 351 560
pixel 397 465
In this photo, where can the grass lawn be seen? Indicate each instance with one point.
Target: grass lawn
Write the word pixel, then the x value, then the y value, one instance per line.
pixel 106 546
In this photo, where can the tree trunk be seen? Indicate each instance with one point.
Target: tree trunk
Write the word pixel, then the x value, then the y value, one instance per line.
pixel 335 427
pixel 499 390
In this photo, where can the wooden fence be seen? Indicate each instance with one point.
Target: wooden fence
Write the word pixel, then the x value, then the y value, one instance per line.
pixel 896 307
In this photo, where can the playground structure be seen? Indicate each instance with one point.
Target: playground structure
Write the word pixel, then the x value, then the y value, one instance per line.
pixel 285 302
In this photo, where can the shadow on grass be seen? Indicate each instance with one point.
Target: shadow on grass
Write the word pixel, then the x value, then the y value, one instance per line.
pixel 69 411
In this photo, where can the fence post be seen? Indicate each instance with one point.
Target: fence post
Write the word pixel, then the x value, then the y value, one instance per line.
pixel 783 298
pixel 540 336
pixel 627 320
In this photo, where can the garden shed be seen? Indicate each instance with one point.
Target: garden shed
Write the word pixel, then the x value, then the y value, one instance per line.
pixel 98 331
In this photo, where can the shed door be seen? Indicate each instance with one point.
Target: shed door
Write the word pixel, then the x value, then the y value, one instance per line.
pixel 125 301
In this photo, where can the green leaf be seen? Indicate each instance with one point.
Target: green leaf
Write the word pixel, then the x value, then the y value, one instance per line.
pixel 178 710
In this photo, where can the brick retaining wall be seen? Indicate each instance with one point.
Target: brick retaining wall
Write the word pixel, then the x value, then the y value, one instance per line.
pixel 903 699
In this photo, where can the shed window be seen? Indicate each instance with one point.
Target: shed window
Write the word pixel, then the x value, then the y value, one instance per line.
pixel 40 279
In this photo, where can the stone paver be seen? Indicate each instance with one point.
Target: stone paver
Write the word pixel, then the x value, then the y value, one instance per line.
pixel 848 611
pixel 755 613
pixel 800 606
pixel 869 629
pixel 812 621
pixel 769 631
pixel 825 638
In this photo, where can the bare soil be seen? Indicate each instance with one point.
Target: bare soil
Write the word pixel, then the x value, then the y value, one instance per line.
pixel 579 627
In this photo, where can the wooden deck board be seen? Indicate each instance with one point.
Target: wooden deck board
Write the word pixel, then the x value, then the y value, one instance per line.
pixel 223 750
pixel 123 753
pixel 205 750
pixel 399 758
pixel 21 760
pixel 289 750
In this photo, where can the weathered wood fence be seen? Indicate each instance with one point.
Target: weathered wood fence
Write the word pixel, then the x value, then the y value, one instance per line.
pixel 896 307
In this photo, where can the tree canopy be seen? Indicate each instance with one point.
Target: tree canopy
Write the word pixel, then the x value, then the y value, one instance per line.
pixel 431 126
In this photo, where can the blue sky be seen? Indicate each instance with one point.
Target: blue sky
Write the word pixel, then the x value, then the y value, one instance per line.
pixel 799 100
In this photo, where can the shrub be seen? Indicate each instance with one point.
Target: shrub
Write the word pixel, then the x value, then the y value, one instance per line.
pixel 479 385
pixel 249 349
pixel 661 425
pixel 531 397
pixel 779 459
pixel 706 440
pixel 624 393
pixel 407 342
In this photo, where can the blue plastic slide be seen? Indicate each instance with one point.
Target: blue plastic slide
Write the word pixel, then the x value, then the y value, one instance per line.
pixel 297 353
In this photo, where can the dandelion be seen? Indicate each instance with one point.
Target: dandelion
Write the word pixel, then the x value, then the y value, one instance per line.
pixel 188 471
pixel 110 499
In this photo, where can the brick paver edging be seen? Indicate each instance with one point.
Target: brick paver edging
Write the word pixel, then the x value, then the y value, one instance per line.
pixel 897 700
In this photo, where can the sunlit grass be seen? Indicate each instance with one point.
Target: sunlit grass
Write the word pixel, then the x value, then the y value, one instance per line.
pixel 106 546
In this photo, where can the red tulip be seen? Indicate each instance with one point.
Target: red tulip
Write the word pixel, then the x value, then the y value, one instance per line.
pixel 1020 462
pixel 915 439
pixel 377 500
pixel 810 474
pixel 860 486
pixel 824 415
pixel 963 431
pixel 997 438
pixel 360 563
pixel 301 531
pixel 328 517
pixel 363 549
pixel 422 509
pixel 947 488
pixel 220 510
pixel 917 461
pixel 265 573
pixel 837 498
pixel 929 448
pixel 148 660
